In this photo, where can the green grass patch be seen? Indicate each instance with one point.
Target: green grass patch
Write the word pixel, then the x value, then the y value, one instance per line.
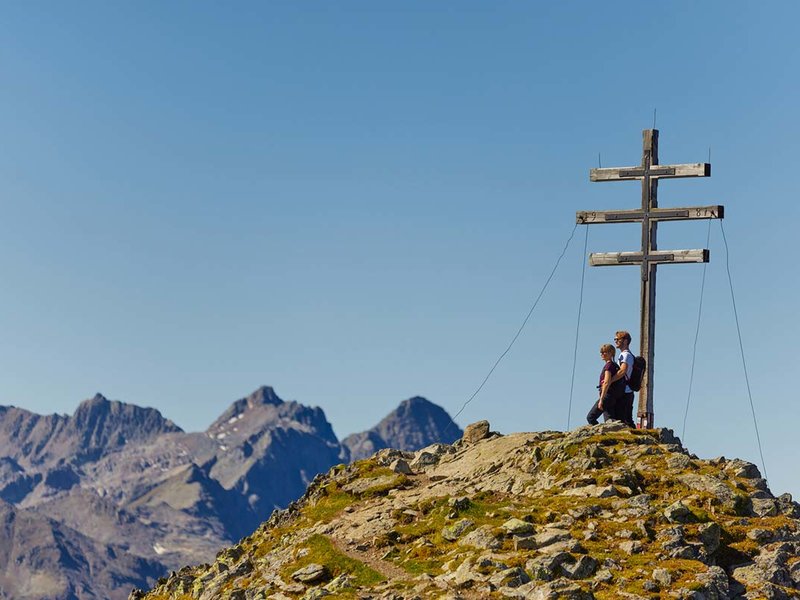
pixel 414 566
pixel 265 541
pixel 331 504
pixel 384 488
pixel 369 467
pixel 322 551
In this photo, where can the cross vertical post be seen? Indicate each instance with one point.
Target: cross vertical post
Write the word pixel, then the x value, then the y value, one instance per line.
pixel 650 171
pixel 647 322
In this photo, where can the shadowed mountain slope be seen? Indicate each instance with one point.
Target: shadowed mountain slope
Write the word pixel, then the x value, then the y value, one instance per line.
pixel 41 558
pixel 120 477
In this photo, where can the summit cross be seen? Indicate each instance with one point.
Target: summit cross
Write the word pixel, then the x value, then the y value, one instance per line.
pixel 649 172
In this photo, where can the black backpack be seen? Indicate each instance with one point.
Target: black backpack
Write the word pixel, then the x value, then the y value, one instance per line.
pixel 639 367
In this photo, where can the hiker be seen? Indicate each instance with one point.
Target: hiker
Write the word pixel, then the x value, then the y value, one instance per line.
pixel 609 394
pixel 622 339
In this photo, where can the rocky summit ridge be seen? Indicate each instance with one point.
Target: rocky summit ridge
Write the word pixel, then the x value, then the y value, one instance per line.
pixel 598 512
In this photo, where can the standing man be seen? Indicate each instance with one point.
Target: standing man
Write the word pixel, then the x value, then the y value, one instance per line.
pixel 622 339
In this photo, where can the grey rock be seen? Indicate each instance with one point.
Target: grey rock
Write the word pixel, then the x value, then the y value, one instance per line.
pixel 688 551
pixel 452 532
pixel 710 536
pixel 312 573
pixel 794 574
pixel 401 466
pixel 581 569
pixel 482 537
pixel 667 436
pixel 513 577
pixel 592 491
pixel 424 459
pixel 662 577
pixel 716 582
pixel 517 527
pixel 362 486
pixel 524 542
pixel 743 469
pixel 678 462
pixel 559 589
pixel 465 574
pixel 631 547
pixel 724 494
pixel 650 585
pixel 340 583
pixel 550 536
pixel 760 535
pixel 788 507
pixel 604 576
pixel 31 542
pixel 459 503
pixel 678 512
pixel 764 507
pixel 543 568
pixel 475 432
pixel 671 537
pixel 243 568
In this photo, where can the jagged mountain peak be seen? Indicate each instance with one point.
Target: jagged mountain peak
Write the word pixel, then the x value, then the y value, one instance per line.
pixel 99 419
pixel 99 404
pixel 415 407
pixel 415 423
pixel 263 395
pixel 263 410
pixel 414 403
pixel 98 426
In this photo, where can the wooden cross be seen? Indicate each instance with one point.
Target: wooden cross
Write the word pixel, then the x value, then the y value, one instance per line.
pixel 649 215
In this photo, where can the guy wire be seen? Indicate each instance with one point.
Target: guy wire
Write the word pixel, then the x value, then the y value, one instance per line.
pixel 696 335
pixel 578 326
pixel 519 331
pixel 741 349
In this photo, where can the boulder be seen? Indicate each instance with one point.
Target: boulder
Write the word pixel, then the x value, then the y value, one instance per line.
pixel 581 569
pixel 452 532
pixel 517 527
pixel 678 512
pixel 482 537
pixel 312 573
pixel 475 432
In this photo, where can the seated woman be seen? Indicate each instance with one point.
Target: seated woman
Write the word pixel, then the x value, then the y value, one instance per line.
pixel 609 394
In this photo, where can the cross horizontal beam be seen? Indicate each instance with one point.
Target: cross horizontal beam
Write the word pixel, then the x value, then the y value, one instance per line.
pixel 716 211
pixel 654 172
pixel 607 259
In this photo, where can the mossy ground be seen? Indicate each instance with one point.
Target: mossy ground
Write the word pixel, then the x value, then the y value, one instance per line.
pixel 319 549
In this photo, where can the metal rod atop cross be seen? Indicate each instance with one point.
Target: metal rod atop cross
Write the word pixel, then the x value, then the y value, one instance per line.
pixel 649 172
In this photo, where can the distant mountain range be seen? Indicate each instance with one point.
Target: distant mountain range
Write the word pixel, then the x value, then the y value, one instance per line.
pixel 115 496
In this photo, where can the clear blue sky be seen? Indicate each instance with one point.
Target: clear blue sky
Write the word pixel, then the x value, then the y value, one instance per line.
pixel 357 202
